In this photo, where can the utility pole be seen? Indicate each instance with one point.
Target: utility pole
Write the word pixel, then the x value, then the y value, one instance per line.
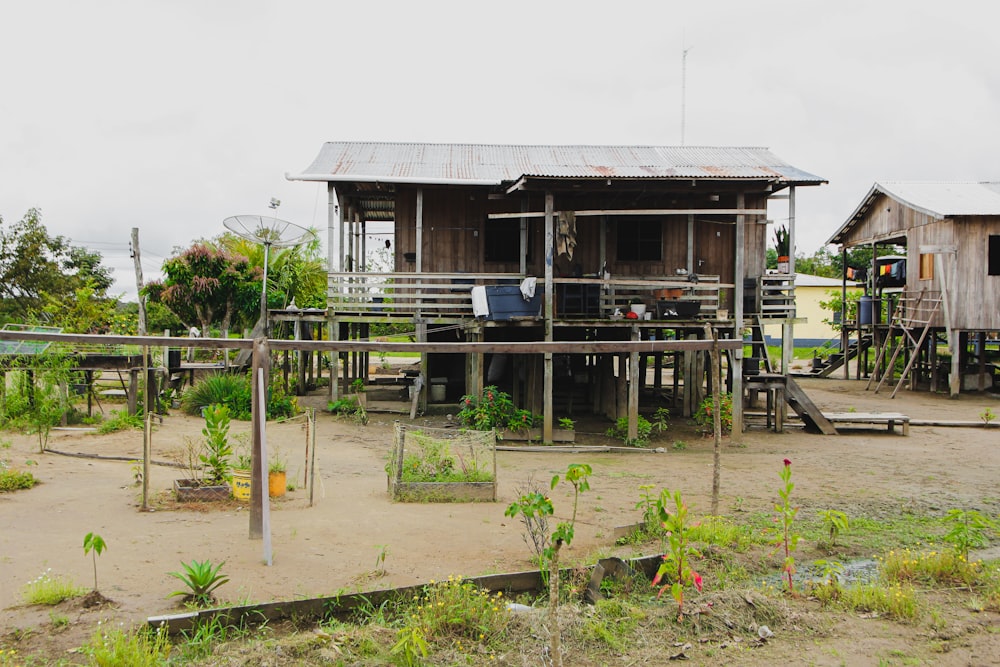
pixel 146 431
pixel 138 281
pixel 684 59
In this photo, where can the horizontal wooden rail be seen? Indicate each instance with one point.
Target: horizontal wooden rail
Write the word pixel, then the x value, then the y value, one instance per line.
pixel 528 347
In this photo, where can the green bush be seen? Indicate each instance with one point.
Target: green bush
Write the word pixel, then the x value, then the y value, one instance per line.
pixel 234 392
pixel 12 479
pixel 620 431
pixel 703 416
pixel 227 389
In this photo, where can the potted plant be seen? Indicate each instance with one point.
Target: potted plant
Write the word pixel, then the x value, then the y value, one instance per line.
pixel 208 461
pixel 241 476
pixel 277 482
pixel 783 247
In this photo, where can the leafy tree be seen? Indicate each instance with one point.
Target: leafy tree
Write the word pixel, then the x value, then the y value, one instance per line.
pixel 40 274
pixel 297 273
pixel 207 285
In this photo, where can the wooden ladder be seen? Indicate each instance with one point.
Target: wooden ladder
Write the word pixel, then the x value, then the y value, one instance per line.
pixel 904 317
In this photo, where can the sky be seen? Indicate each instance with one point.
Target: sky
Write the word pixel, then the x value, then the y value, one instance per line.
pixel 171 115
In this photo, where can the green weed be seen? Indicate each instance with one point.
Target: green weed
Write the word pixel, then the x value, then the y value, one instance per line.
pixel 48 589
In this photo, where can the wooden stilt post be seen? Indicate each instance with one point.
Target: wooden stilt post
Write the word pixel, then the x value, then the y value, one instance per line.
pixel 633 388
pixel 550 240
pixel 261 360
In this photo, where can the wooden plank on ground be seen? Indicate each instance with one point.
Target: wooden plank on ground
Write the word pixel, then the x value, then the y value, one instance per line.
pixel 890 419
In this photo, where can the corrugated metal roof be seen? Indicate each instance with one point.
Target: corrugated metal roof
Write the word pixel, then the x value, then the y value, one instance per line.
pixel 483 164
pixel 946 199
pixel 937 199
pixel 809 280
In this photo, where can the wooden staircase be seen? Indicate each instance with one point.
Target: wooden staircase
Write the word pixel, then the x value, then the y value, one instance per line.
pixel 912 314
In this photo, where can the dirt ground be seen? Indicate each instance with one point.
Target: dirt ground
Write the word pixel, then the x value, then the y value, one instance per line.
pixel 335 544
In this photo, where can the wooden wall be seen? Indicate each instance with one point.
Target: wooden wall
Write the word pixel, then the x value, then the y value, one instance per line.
pixel 455 220
pixel 975 296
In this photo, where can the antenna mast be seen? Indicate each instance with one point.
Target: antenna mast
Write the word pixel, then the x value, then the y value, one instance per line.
pixel 684 57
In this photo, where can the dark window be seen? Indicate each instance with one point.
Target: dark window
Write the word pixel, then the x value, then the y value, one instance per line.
pixel 502 241
pixel 639 240
pixel 993 256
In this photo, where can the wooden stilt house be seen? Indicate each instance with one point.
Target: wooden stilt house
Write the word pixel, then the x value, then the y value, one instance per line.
pixel 503 243
pixel 933 280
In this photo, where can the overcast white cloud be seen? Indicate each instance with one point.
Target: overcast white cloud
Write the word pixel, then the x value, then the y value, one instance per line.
pixel 170 116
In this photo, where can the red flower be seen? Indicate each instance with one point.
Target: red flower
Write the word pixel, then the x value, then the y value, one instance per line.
pixel 787 463
pixel 697 580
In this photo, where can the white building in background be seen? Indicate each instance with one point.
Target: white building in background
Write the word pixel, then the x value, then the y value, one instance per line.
pixel 809 292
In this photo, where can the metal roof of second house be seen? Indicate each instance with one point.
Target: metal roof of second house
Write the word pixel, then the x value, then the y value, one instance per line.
pixel 484 164
pixel 939 200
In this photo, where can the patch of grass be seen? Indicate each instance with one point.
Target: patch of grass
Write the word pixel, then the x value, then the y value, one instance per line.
pixel 120 420
pixel 48 589
pixel 457 609
pixel 613 623
pixel 12 479
pixel 59 621
pixel 894 600
pixel 931 567
pixel 722 532
pixel 136 647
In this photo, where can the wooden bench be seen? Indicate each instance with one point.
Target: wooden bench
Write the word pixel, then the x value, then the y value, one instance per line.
pixel 890 419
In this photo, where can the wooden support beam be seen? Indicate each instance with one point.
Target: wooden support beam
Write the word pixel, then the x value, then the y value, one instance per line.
pixel 644 211
pixel 550 242
pixel 261 360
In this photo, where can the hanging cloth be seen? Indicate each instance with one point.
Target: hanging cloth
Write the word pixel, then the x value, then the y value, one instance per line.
pixel 566 234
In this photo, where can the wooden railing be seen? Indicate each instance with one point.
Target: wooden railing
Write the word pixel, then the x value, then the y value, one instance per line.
pixel 777 296
pixel 448 295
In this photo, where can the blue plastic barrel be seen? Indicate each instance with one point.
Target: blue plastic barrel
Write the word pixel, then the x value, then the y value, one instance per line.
pixel 865 310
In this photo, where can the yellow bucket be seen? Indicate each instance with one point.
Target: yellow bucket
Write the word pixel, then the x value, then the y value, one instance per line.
pixel 241 485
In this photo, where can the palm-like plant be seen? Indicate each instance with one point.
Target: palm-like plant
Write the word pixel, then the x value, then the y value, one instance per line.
pixel 201 578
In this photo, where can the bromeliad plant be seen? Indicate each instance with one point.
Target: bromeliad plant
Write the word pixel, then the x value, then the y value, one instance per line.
pixel 536 504
pixel 676 565
pixel 201 578
pixel 787 540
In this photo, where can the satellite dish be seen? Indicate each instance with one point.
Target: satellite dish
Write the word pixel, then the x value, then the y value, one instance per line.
pixel 269 231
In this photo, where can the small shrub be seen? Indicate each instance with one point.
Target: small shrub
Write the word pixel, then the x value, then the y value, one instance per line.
pixel 235 392
pixel 661 420
pixel 620 432
pixel 703 415
pixel 493 409
pixel 215 457
pixel 968 529
pixel 12 479
pixel 48 589
pixel 226 389
pixel 348 406
pixel 834 521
